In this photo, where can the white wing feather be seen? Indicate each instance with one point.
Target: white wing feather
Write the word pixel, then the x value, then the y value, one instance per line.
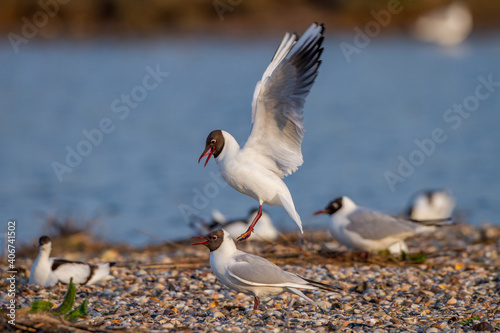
pixel 279 97
pixel 257 271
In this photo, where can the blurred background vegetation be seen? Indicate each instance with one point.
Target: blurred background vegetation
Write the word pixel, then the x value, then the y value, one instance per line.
pixel 88 18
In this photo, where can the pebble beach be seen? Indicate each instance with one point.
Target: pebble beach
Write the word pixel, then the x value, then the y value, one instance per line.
pixel 449 282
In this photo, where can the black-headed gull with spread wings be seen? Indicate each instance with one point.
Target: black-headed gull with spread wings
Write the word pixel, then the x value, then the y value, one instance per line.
pixel 371 231
pixel 273 149
pixel 251 274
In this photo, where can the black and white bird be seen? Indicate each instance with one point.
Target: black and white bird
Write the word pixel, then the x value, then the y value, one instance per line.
pixel 432 205
pixel 371 231
pixel 264 230
pixel 251 274
pixel 273 149
pixel 48 271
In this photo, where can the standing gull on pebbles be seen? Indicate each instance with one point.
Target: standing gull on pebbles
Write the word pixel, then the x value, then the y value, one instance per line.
pixel 251 274
pixel 370 231
pixel 48 271
pixel 273 149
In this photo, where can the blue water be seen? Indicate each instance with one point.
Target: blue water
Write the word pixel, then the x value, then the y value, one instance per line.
pixel 360 118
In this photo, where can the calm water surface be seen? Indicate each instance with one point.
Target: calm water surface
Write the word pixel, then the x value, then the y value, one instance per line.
pixel 362 119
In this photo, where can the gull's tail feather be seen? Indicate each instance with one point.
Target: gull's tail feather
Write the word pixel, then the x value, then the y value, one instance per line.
pixel 287 203
pixel 301 294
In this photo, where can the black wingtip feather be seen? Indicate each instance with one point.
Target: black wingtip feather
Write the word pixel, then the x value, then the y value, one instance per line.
pixel 321 285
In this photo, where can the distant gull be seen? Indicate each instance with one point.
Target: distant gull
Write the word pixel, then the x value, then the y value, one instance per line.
pixel 370 231
pixel 264 230
pixel 445 26
pixel 48 271
pixel 251 274
pixel 273 149
pixel 431 205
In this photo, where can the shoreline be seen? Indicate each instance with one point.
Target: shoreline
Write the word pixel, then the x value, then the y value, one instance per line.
pixel 58 18
pixel 450 281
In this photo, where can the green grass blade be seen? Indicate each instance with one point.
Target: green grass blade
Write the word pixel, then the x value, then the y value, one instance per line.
pixel 79 312
pixel 41 306
pixel 69 300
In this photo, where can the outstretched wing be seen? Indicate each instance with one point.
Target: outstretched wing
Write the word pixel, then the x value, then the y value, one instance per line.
pixel 279 98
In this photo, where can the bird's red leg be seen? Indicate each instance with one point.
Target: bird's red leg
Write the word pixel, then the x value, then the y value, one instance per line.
pixel 364 255
pixel 250 228
pixel 256 303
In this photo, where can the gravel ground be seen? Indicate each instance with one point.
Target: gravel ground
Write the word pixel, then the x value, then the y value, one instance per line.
pixel 449 283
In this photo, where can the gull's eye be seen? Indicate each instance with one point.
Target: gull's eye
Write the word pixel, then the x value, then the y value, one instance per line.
pixel 214 237
pixel 212 142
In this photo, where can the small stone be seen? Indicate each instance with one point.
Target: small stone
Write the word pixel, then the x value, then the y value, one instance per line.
pixel 399 300
pixel 477 314
pixel 360 288
pixel 336 305
pixel 159 286
pixel 347 307
pixel 142 300
pixel 218 314
pixel 451 301
pixel 141 272
pixel 133 289
pixel 483 327
pixel 331 327
pixel 324 305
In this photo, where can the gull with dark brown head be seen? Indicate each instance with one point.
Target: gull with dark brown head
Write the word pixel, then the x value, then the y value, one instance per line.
pixel 273 149
pixel 251 274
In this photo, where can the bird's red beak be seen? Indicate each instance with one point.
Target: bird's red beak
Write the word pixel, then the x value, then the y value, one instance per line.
pixel 199 243
pixel 208 152
pixel 323 211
